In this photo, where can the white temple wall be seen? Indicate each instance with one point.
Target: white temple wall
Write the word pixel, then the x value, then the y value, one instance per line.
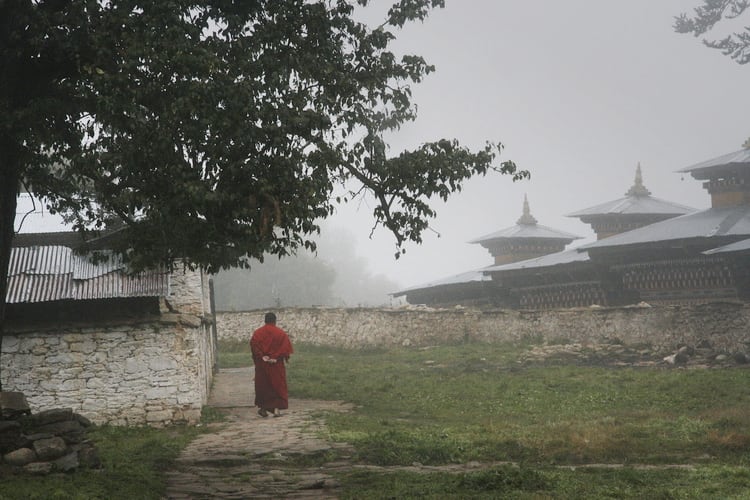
pixel 723 326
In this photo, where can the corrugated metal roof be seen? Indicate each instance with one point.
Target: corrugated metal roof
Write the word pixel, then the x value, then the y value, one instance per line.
pixel 527 231
pixel 635 205
pixel 736 157
pixel 553 259
pixel 49 273
pixel 724 221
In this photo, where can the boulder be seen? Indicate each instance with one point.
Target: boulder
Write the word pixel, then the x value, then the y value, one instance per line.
pixel 52 416
pixel 89 457
pixel 70 430
pixel 10 435
pixel 67 463
pixel 740 358
pixel 13 405
pixel 50 449
pixel 38 468
pixel 20 457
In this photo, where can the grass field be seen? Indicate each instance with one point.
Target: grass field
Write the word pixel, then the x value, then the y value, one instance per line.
pixel 535 430
pixel 559 429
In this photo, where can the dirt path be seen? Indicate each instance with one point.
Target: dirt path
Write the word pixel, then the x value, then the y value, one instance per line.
pixel 253 457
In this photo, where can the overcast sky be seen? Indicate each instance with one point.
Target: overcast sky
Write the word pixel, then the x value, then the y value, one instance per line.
pixel 579 92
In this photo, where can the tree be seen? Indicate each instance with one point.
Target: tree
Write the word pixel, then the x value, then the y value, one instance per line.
pixel 735 45
pixel 213 130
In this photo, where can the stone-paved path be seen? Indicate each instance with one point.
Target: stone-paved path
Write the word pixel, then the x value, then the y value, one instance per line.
pixel 248 456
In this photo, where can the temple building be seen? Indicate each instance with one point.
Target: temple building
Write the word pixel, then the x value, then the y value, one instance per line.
pixel 648 250
pixel 698 257
pixel 572 279
pixel 525 240
pixel 637 209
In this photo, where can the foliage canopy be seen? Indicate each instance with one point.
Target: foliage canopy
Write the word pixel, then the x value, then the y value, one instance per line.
pixel 705 18
pixel 217 129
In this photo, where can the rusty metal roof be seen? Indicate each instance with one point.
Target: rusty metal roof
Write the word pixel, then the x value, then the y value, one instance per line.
pixel 44 273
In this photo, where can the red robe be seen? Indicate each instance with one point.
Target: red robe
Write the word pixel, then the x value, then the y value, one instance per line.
pixel 270 378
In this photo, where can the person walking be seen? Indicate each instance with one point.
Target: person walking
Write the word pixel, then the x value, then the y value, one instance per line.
pixel 271 348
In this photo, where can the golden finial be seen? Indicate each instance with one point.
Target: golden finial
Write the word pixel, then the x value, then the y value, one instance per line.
pixel 638 189
pixel 526 219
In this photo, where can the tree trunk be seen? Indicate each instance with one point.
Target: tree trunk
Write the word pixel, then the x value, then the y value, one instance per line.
pixel 9 181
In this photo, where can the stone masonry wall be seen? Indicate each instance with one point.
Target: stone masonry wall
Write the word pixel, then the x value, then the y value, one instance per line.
pixel 126 373
pixel 722 326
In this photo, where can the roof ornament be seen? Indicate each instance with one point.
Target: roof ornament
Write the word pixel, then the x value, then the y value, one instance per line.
pixel 747 144
pixel 526 219
pixel 638 189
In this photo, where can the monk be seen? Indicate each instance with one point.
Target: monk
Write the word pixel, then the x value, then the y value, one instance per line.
pixel 271 349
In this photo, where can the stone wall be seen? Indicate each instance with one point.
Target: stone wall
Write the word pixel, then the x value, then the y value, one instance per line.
pixel 123 373
pixel 722 326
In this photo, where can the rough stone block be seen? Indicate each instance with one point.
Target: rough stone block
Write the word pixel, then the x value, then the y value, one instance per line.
pixel 50 449
pixel 85 422
pixel 13 404
pixel 54 415
pixel 89 457
pixel 161 364
pixel 158 393
pixel 38 468
pixel 70 430
pixel 67 463
pixel 10 435
pixel 20 457
pixel 159 416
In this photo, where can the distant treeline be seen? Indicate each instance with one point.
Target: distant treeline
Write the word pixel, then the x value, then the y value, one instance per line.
pixel 336 276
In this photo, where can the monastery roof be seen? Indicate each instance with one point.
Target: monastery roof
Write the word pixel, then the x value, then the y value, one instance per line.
pixel 527 227
pixel 456 279
pixel 637 201
pixel 553 259
pixel 737 246
pixel 527 231
pixel 42 273
pixel 634 205
pixel 739 158
pixel 722 221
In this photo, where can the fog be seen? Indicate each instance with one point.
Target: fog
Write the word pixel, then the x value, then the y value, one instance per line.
pixel 579 92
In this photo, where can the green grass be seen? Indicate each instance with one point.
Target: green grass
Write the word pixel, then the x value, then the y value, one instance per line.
pixel 474 402
pixel 133 464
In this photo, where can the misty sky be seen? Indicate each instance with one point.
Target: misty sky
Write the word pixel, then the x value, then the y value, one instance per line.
pixel 579 92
